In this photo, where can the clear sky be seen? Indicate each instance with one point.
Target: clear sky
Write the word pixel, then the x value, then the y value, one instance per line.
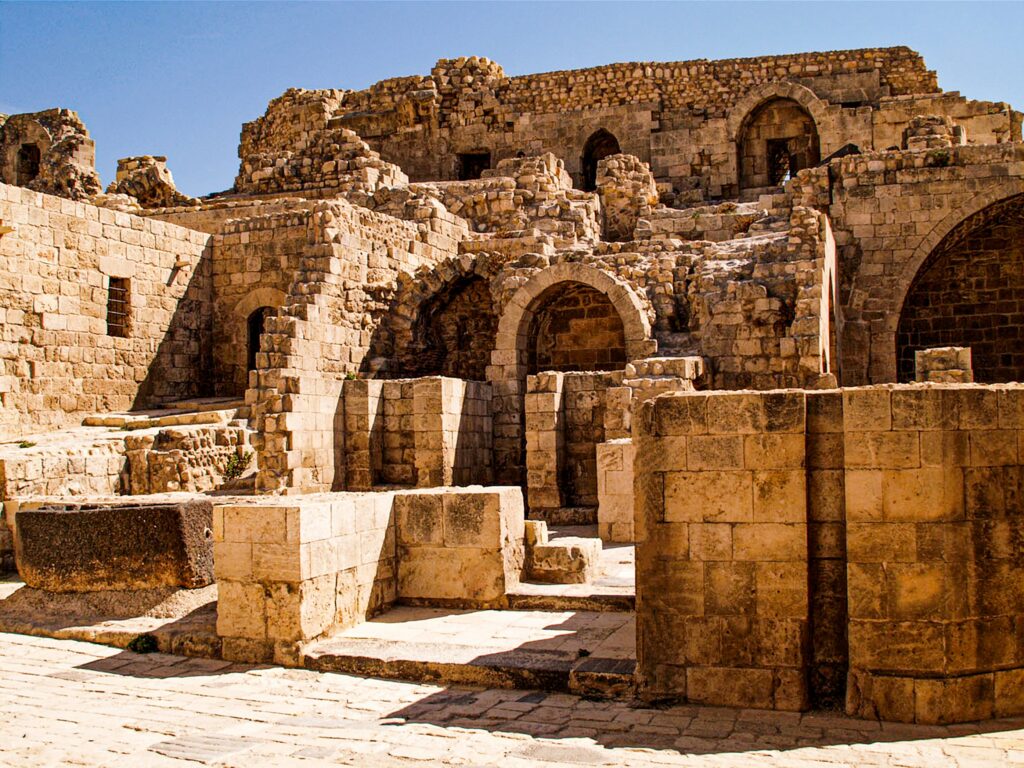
pixel 179 79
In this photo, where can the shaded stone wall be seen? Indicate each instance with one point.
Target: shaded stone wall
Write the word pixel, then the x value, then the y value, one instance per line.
pixel 49 152
pixel 777 140
pixel 57 360
pixel 575 328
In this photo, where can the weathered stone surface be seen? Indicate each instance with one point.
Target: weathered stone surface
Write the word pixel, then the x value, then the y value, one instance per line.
pixel 86 548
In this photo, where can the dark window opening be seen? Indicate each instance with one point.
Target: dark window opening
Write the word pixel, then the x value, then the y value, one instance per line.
pixel 473 164
pixel 118 307
pixel 599 146
pixel 257 325
pixel 782 164
pixel 28 164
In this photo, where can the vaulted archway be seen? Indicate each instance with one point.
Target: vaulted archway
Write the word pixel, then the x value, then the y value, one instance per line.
pixel 969 292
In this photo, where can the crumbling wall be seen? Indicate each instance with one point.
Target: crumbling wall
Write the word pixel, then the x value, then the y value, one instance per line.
pixel 58 360
pixel 627 192
pixel 148 181
pixel 49 152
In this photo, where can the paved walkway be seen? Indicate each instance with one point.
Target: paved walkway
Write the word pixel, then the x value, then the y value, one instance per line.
pixel 69 703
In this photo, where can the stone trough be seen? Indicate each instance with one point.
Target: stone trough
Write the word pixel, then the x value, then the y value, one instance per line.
pixel 92 547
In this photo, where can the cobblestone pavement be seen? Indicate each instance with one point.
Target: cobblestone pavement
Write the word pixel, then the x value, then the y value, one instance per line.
pixel 69 703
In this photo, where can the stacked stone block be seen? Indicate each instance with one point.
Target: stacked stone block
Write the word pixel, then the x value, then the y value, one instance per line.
pixel 950 365
pixel 290 573
pixel 933 510
pixel 459 548
pixel 615 490
pixel 545 441
pixel 722 587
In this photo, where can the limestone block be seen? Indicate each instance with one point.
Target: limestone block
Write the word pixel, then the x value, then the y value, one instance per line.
pixel 568 560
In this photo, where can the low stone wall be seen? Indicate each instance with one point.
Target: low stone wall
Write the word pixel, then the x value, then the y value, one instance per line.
pixel 461 548
pixel 186 459
pixel 786 536
pixel 292 572
pixel 429 432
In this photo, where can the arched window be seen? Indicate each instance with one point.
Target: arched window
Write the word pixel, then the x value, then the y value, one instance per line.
pixel 28 164
pixel 599 146
pixel 777 139
pixel 257 324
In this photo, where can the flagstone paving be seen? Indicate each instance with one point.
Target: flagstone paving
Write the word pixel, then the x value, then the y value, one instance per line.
pixel 64 702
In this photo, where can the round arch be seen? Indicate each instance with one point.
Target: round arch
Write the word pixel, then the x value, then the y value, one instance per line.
pixel 513 326
pixel 985 317
pixel 600 144
pixel 261 297
pixel 780 89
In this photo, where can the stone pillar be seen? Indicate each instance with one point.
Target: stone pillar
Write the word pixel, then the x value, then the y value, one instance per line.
pixel 615 490
pixel 721 554
pixel 363 424
pixel 545 441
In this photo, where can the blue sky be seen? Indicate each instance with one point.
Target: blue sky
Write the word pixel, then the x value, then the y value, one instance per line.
pixel 179 79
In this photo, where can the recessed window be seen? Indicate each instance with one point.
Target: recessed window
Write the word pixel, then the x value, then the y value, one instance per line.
pixel 118 307
pixel 257 324
pixel 28 164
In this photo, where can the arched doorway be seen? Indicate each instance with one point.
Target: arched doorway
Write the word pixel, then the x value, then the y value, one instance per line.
pixel 600 145
pixel 453 335
pixel 777 139
pixel 574 327
pixel 256 324
pixel 969 292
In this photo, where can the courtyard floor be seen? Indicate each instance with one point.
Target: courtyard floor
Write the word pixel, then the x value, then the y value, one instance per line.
pixel 64 702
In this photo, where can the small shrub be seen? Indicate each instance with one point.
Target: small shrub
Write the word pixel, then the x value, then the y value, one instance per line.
pixel 143 644
pixel 350 376
pixel 940 158
pixel 237 464
pixel 26 444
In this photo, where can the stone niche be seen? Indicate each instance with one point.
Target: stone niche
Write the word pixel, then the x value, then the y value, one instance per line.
pixel 93 548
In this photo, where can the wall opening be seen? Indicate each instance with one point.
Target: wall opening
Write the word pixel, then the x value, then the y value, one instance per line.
pixel 118 307
pixel 473 164
pixel 256 324
pixel 600 145
pixel 28 164
pixel 575 328
pixel 453 335
pixel 969 292
pixel 777 139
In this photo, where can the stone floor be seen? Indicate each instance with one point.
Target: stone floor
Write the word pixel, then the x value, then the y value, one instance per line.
pixel 578 651
pixel 71 703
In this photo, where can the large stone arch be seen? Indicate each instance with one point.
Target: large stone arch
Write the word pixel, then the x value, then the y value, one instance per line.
pixel 417 290
pixel 515 319
pixel 964 286
pixel 508 369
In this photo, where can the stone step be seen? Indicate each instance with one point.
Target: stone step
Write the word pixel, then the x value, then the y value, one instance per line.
pixel 207 404
pixel 568 560
pixel 587 653
pixel 163 419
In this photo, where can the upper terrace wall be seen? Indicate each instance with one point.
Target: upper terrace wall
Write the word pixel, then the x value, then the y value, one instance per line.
pixel 684 118
pixel 57 360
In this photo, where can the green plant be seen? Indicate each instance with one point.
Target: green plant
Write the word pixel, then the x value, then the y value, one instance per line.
pixel 939 158
pixel 237 464
pixel 143 644
pixel 26 444
pixel 350 376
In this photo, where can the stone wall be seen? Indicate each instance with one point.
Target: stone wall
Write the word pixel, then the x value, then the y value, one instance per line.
pixel 786 537
pixel 349 269
pixel 935 577
pixel 57 360
pixel 193 459
pixel 890 213
pixel 292 572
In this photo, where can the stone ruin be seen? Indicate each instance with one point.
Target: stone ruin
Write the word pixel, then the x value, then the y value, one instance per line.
pixel 758 319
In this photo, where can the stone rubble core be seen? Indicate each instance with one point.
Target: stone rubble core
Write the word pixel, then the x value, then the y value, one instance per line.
pixel 435 317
